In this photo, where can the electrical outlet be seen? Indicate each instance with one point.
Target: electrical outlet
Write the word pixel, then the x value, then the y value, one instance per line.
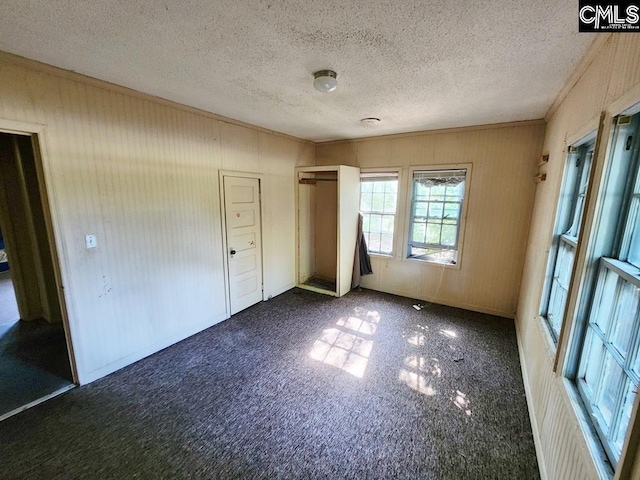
pixel 91 241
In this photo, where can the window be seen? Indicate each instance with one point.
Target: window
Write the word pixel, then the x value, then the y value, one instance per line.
pixel 608 347
pixel 567 228
pixel 378 203
pixel 436 214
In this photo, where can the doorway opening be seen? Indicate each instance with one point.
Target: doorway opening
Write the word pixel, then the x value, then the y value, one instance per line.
pixel 34 349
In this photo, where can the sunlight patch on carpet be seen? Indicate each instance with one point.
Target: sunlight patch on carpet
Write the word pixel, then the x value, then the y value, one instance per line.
pixel 347 346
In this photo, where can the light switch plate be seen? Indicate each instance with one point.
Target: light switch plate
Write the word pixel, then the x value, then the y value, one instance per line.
pixel 91 241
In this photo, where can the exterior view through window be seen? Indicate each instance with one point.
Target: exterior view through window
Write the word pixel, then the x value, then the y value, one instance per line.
pixel 608 347
pixel 565 240
pixel 378 204
pixel 436 215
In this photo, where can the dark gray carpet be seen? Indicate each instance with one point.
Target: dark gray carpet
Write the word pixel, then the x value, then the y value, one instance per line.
pixel 441 397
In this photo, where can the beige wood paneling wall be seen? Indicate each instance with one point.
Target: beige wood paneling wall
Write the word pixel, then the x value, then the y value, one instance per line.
pixel 504 159
pixel 142 174
pixel 610 81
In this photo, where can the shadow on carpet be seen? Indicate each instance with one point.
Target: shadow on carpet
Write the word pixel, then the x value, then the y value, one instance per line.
pixel 302 386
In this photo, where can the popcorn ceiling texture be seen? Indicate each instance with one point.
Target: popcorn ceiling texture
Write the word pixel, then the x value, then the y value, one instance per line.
pixel 417 65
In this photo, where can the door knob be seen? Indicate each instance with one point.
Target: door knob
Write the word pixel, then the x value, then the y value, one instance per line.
pixel 232 251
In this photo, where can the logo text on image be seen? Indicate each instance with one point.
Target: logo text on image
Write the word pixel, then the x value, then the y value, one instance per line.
pixel 602 16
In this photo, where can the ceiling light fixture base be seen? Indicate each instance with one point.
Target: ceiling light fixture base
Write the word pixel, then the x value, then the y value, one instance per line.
pixel 325 81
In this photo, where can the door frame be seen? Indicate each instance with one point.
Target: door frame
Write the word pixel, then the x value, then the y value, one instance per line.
pixel 223 220
pixel 38 133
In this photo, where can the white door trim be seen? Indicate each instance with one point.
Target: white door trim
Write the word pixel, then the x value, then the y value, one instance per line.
pixel 50 209
pixel 223 219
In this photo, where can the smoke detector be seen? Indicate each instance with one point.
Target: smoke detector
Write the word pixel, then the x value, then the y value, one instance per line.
pixel 370 121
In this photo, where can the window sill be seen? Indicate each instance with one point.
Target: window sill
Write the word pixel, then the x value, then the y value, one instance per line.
pixel 551 345
pixel 594 448
pixel 431 263
pixel 381 255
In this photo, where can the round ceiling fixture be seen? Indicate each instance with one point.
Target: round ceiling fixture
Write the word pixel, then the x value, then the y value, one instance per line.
pixel 370 121
pixel 325 81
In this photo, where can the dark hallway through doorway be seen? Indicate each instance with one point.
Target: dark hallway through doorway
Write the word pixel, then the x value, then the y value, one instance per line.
pixel 34 360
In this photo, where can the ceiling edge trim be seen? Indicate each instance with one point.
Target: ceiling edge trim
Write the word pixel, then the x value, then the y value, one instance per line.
pixel 37 66
pixel 488 126
pixel 575 76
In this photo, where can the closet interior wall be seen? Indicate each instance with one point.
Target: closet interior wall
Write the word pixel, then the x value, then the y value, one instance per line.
pixel 318 229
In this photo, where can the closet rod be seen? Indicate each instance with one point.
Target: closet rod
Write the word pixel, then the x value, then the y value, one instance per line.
pixel 313 181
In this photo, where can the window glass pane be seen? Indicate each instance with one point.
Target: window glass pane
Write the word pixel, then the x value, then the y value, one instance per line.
pixel 421 209
pixel 624 316
pixel 438 192
pixel 610 356
pixel 378 186
pixel 612 376
pixel 433 233
pixel 634 247
pixel 389 203
pixel 593 355
pixel 555 312
pixel 436 209
pixel 449 235
pixel 365 202
pixel 620 431
pixel 452 210
pixel 560 286
pixel 436 201
pixel 561 256
pixel 374 242
pixel 367 238
pixel 366 224
pixel 605 298
pixel 454 191
pixel 378 203
pixel 419 232
pixel 375 223
pixel 386 244
pixel 387 224
pixel 565 264
pixel 422 192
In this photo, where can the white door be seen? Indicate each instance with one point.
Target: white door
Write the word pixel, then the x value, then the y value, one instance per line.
pixel 244 241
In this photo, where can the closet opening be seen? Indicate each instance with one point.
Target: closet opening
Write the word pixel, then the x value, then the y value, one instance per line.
pixel 327 216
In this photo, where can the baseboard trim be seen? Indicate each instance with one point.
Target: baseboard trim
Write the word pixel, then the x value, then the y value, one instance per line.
pixel 448 303
pixel 89 377
pixel 537 441
pixel 278 291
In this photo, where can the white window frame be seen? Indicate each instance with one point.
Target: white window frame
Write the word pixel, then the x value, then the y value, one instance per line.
pixel 463 214
pixel 617 269
pixel 566 230
pixel 397 233
pixel 601 238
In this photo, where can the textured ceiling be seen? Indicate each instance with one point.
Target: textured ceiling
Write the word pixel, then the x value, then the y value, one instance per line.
pixel 417 65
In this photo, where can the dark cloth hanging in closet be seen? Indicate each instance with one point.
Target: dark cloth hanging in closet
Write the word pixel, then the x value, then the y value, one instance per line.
pixel 361 261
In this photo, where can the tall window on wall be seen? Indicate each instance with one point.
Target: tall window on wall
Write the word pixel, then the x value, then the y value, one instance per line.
pixel 607 345
pixel 437 212
pixel 566 232
pixel 378 204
